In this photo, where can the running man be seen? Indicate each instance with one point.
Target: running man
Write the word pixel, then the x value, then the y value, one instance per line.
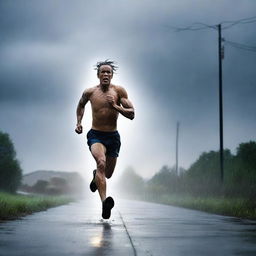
pixel 107 101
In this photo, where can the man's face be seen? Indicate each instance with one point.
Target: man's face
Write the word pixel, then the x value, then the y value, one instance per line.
pixel 105 74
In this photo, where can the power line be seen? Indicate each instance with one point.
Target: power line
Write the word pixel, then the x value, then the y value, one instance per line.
pixel 241 46
pixel 236 22
pixel 194 27
pixel 201 26
pixel 241 20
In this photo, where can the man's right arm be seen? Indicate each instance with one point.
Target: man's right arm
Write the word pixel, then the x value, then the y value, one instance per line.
pixel 80 111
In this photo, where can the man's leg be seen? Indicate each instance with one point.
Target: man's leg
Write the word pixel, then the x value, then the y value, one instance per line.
pixel 110 166
pixel 98 151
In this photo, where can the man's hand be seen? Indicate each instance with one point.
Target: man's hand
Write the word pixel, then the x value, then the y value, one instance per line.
pixel 79 128
pixel 111 100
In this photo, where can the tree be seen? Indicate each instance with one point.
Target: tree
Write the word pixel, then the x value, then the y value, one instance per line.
pixel 164 181
pixel 203 177
pixel 243 169
pixel 131 183
pixel 10 171
pixel 207 167
pixel 40 186
pixel 58 185
pixel 246 154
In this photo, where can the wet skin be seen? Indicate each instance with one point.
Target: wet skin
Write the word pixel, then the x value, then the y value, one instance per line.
pixel 107 101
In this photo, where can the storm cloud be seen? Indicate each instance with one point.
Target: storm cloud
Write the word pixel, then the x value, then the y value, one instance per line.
pixel 47 53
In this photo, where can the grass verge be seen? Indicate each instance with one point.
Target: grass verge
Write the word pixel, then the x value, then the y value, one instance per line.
pixel 236 207
pixel 14 206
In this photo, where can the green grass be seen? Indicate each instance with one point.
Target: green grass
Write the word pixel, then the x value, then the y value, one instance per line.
pixel 237 207
pixel 14 206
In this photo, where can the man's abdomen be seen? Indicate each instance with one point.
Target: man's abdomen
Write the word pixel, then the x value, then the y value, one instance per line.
pixel 105 120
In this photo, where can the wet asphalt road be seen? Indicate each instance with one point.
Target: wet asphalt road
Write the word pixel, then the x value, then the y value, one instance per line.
pixel 135 228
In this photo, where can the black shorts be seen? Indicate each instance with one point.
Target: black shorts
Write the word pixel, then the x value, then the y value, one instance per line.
pixel 111 140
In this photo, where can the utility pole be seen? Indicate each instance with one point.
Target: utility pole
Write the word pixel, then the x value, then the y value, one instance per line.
pixel 220 105
pixel 177 147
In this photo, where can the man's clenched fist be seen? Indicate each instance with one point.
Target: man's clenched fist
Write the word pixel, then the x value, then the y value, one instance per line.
pixel 79 128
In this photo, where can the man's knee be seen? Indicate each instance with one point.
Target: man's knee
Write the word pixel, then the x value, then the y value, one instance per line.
pixel 101 163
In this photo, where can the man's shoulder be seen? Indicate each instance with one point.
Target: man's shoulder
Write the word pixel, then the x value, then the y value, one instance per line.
pixel 90 90
pixel 120 90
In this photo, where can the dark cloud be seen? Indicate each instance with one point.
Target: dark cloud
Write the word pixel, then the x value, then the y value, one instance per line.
pixel 47 46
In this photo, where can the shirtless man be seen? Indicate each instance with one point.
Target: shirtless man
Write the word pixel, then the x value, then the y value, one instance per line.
pixel 107 101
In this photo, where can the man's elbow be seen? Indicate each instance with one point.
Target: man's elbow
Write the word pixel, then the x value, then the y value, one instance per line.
pixel 132 115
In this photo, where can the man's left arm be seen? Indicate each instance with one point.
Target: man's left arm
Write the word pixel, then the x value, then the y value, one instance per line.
pixel 125 108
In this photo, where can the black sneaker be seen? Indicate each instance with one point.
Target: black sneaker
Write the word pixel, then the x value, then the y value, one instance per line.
pixel 93 186
pixel 107 205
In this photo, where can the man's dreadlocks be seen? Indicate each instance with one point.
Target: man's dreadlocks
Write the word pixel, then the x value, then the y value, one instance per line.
pixel 106 62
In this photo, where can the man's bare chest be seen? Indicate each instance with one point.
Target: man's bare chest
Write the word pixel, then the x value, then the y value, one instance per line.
pixel 99 99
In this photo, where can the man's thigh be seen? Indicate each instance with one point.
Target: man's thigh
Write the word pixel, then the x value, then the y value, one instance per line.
pixel 98 150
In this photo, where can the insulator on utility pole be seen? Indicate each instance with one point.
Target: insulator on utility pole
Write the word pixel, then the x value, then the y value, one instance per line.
pixel 222 52
pixel 222 48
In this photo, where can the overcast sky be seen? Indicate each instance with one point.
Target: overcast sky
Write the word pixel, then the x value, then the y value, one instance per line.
pixel 48 50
